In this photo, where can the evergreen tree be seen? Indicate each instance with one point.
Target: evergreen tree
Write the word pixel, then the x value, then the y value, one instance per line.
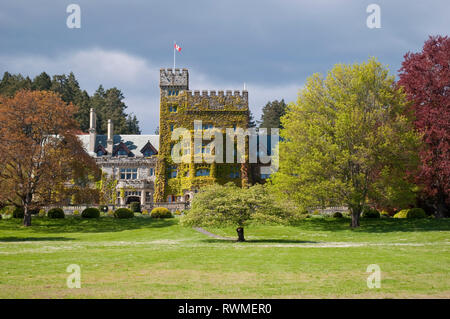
pixel 272 112
pixel 42 82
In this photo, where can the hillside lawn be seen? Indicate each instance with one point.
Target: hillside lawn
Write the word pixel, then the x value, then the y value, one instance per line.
pixel 148 258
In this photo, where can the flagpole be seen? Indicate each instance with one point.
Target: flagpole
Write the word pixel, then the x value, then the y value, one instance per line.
pixel 174 56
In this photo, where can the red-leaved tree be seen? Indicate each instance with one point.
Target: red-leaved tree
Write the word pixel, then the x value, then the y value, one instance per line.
pixel 426 78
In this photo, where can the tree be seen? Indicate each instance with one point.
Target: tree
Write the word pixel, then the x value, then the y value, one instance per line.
pixel 229 205
pixel 271 114
pixel 108 103
pixel 425 77
pixel 39 152
pixel 251 119
pixel 347 140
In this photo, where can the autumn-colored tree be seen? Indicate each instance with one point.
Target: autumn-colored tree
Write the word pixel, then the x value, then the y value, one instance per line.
pixel 40 156
pixel 426 78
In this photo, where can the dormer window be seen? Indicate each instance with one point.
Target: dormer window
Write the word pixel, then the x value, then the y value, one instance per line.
pixel 122 150
pixel 148 150
pixel 100 150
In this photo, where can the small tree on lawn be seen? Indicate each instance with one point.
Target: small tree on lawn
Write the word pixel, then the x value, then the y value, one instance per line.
pixel 229 205
pixel 39 152
pixel 347 140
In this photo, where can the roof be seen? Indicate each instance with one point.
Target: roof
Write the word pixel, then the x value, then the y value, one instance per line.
pixel 135 143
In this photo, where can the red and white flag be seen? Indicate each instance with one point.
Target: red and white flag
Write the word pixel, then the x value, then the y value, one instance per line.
pixel 177 47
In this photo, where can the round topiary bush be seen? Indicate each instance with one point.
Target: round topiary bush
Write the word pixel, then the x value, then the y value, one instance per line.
pixel 18 212
pixel 416 213
pixel 161 212
pixel 123 213
pixel 370 213
pixel 135 207
pixel 337 215
pixel 90 212
pixel 55 213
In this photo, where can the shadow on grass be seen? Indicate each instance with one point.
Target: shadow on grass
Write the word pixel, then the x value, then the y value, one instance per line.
pixel 376 225
pixel 266 240
pixel 21 239
pixel 81 225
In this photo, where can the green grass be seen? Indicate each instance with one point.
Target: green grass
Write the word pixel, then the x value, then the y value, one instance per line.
pixel 147 258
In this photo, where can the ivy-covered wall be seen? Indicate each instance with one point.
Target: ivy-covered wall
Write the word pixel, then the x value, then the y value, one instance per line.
pixel 179 108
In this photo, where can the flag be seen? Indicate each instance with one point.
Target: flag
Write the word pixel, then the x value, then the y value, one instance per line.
pixel 177 47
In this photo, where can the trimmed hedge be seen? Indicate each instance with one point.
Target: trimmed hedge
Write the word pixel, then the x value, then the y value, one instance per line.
pixel 338 215
pixel 161 212
pixel 55 213
pixel 123 213
pixel 90 212
pixel 411 213
pixel 135 207
pixel 370 213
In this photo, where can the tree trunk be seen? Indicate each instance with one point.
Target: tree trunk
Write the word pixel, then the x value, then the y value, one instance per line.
pixel 441 208
pixel 240 232
pixel 355 218
pixel 26 216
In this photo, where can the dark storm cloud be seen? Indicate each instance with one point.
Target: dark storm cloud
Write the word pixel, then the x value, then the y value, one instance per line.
pixel 271 45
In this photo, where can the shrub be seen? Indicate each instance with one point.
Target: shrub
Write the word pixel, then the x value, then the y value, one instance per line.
pixel 135 207
pixel 110 213
pixel 316 212
pixel 411 213
pixel 161 212
pixel 370 213
pixel 177 212
pixel 76 213
pixel 123 213
pixel 145 212
pixel 18 212
pixel 55 213
pixel 90 212
pixel 42 213
pixel 416 213
pixel 337 215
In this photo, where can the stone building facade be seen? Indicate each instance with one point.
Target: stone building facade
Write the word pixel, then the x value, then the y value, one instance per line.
pixel 142 164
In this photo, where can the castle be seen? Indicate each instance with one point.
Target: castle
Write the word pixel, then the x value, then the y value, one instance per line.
pixel 142 164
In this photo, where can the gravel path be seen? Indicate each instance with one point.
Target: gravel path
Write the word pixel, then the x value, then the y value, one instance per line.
pixel 207 233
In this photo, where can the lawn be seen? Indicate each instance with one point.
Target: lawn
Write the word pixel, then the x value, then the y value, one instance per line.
pixel 147 258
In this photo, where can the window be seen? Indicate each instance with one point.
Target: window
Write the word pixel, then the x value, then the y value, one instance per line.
pixel 265 176
pixel 234 173
pixel 171 127
pixel 148 197
pixel 172 109
pixel 100 153
pixel 122 152
pixel 148 153
pixel 128 173
pixel 207 126
pixel 173 172
pixel 151 171
pixel 202 172
pixel 172 93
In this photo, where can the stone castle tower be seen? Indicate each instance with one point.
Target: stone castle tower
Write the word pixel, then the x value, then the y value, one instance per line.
pixel 179 108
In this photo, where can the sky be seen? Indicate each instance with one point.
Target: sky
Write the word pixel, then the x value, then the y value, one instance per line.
pixel 270 45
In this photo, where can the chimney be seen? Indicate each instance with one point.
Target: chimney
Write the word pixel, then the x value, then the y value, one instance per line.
pixel 92 131
pixel 110 140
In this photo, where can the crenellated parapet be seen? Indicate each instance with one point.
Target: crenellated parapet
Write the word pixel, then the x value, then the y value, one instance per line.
pixel 216 99
pixel 174 78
